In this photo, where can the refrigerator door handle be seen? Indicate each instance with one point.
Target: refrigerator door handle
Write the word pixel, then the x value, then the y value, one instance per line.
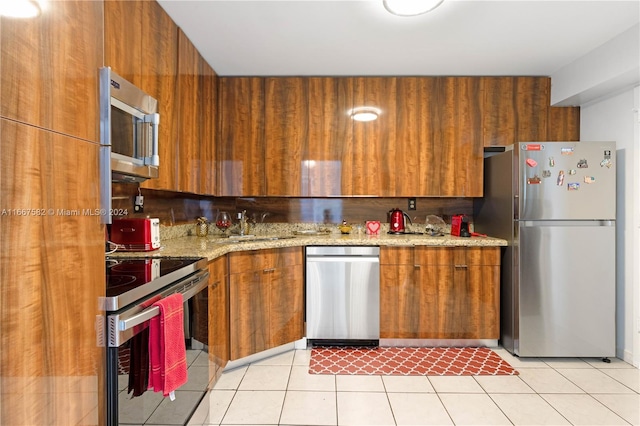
pixel 595 222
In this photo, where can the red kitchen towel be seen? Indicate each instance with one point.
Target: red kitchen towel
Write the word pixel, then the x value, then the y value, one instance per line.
pixel 167 353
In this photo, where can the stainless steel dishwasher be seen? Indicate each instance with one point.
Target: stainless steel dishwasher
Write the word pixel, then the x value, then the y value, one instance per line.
pixel 343 295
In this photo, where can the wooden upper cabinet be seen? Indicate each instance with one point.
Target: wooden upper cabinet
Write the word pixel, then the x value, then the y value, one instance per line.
pixel 369 160
pixel 515 109
pixel 50 67
pixel 159 79
pixel 417 155
pixel 458 136
pixel 240 163
pixel 123 30
pixel 188 119
pixel 564 124
pixel 330 130
pixel 285 135
pixel 207 112
pixel 296 133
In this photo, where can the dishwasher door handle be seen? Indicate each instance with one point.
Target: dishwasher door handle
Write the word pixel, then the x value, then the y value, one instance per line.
pixel 344 259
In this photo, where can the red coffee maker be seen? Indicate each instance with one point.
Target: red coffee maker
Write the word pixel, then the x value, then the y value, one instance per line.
pixel 460 225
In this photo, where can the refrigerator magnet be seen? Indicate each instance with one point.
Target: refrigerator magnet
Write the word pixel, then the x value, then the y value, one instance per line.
pixel 589 179
pixel 572 171
pixel 560 180
pixel 566 151
pixel 582 164
pixel 546 173
pixel 552 162
pixel 535 180
pixel 531 162
pixel 606 163
pixel 573 186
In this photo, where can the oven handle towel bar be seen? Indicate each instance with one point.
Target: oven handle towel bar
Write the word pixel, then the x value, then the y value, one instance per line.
pixel 189 288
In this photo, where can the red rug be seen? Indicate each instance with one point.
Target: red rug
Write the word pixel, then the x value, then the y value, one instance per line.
pixel 408 361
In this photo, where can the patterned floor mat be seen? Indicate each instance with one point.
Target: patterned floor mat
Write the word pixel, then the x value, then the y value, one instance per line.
pixel 398 361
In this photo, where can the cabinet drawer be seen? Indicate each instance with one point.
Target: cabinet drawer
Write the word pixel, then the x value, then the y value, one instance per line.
pixel 469 256
pixel 256 260
pixel 396 255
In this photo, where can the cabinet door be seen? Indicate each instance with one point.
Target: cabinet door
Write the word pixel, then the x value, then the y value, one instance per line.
pixel 207 111
pixel 50 67
pixel 417 158
pixel 285 134
pixel 400 295
pixel 241 152
pixel 249 309
pixel 218 317
pixel 515 109
pixel 188 125
pixel 435 277
pixel 459 136
pixel 369 166
pixel 465 282
pixel 330 136
pixel 123 30
pixel 564 124
pixel 484 282
pixel 159 78
pixel 50 344
pixel 286 313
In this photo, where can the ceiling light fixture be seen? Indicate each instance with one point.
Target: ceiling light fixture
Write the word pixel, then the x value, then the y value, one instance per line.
pixel 19 8
pixel 410 7
pixel 364 113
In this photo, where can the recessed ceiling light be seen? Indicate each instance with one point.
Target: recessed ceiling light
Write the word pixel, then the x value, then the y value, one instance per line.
pixel 364 113
pixel 19 8
pixel 410 7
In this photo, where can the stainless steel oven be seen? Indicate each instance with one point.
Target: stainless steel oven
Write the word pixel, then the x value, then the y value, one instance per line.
pixel 133 284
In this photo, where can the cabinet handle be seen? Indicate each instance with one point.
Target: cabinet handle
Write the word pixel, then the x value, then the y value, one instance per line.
pixel 416 266
pixel 215 284
pixel 460 266
pixel 266 271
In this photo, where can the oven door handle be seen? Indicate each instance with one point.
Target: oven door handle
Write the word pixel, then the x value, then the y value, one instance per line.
pixel 193 285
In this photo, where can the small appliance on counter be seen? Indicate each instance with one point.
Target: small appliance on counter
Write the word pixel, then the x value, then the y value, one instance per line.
pixel 396 221
pixel 460 226
pixel 136 234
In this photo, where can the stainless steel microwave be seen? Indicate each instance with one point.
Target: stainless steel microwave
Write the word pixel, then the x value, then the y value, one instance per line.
pixel 129 122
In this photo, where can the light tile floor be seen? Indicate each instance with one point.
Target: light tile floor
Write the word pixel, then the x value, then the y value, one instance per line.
pixel 279 390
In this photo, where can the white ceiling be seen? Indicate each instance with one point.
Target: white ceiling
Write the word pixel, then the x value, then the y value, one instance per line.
pixel 359 37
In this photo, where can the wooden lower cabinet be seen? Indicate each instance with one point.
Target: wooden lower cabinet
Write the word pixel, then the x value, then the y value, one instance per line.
pixel 440 292
pixel 218 316
pixel 266 299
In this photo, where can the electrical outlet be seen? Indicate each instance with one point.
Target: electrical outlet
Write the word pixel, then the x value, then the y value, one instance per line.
pixel 138 204
pixel 412 203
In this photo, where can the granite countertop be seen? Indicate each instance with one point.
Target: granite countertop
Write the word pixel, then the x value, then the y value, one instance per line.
pixel 212 247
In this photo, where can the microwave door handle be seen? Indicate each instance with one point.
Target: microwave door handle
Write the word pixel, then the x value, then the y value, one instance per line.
pixel 153 121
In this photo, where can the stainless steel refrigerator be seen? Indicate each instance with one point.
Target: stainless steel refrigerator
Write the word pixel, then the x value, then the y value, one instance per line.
pixel 555 203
